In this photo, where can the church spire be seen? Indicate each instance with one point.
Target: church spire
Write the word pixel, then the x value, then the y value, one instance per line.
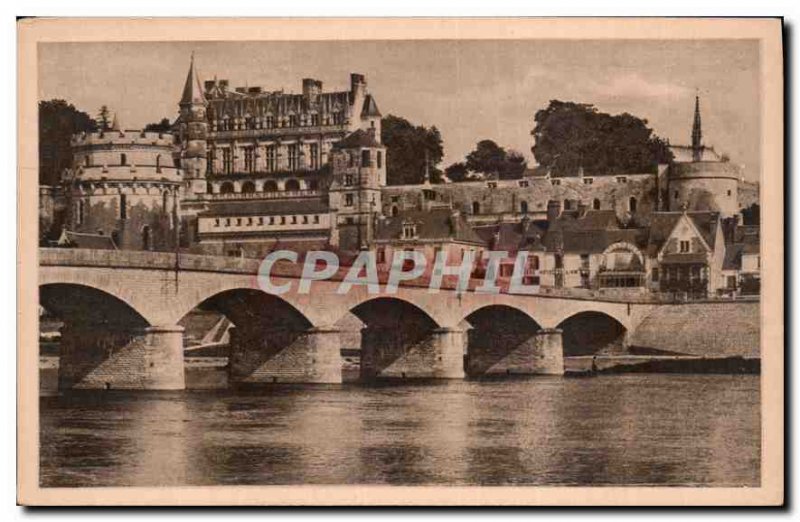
pixel 697 132
pixel 192 92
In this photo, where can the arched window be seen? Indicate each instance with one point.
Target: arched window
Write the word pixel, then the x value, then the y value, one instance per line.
pixel 86 160
pixel 476 207
pixel 596 204
pixel 209 187
pixel 226 188
pixel 270 186
pixel 534 263
pixel 123 159
pixel 523 207
pixel 395 210
pixel 164 200
pixel 632 204
pixel 292 185
pixel 567 204
pixel 158 163
pixel 248 187
pixel 123 206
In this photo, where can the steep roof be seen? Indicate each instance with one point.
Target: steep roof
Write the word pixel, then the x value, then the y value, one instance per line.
pixel 370 108
pixel 192 90
pixel 590 232
pixel 434 224
pixel 358 139
pixel 663 223
pixel 266 207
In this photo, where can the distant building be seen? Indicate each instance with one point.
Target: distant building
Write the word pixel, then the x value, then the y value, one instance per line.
pixel 265 162
pixel 700 179
pixel 429 232
pixel 124 185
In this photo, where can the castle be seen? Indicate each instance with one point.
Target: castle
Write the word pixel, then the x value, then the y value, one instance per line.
pixel 251 170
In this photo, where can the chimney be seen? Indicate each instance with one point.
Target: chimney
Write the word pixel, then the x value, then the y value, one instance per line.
pixel 358 86
pixel 311 88
pixel 553 210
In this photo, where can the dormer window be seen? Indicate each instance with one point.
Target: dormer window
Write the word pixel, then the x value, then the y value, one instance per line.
pixel 409 230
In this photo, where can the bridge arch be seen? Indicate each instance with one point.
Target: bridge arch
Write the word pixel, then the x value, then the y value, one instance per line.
pixel 398 339
pixel 591 332
pixel 499 339
pixel 81 303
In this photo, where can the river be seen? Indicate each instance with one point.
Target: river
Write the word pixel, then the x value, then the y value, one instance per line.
pixel 628 429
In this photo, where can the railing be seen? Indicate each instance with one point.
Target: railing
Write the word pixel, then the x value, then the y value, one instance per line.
pixel 281 132
pixel 222 264
pixel 261 195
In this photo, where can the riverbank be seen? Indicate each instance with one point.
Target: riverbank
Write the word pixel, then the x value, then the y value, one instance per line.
pixel 211 373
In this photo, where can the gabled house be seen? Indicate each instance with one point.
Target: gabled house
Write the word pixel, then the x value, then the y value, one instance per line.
pixel 687 253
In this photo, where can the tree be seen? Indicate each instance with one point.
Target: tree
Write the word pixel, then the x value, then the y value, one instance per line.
pixel 163 126
pixel 569 136
pixel 407 147
pixel 104 118
pixel 58 121
pixel 493 160
pixel 457 172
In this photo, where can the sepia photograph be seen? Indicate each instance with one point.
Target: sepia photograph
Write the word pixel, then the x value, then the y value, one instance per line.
pixel 475 257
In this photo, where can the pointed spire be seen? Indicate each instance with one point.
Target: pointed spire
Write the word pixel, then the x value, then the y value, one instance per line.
pixel 697 132
pixel 192 91
pixel 115 123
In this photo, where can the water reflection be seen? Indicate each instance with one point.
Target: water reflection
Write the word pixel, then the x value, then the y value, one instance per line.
pixel 627 429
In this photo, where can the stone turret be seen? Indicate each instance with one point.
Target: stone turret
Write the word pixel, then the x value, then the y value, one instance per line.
pixel 192 132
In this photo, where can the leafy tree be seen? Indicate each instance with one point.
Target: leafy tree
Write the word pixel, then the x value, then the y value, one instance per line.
pixel 58 121
pixel 163 126
pixel 457 172
pixel 570 135
pixel 407 147
pixel 493 160
pixel 514 166
pixel 104 118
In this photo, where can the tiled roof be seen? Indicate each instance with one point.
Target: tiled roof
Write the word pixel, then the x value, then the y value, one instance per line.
pixel 512 237
pixel 663 223
pixel 91 241
pixel 358 139
pixel 267 207
pixel 586 220
pixel 591 241
pixel 440 223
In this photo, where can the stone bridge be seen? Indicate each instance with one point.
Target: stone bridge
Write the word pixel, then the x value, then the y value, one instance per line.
pixel 122 312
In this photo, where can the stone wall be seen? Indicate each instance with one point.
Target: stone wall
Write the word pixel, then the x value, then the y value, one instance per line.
pixel 702 329
pixel 507 198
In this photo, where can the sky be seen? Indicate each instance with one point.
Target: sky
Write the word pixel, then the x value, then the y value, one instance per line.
pixel 471 90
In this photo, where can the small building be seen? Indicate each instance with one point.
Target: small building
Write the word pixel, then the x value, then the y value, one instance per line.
pixel 687 253
pixel 429 232
pixel 591 249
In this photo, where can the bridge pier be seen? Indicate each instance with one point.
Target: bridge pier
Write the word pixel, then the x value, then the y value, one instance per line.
pixel 388 354
pixel 285 355
pixel 119 357
pixel 508 353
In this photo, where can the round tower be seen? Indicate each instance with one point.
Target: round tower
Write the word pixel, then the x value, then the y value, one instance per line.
pixel 707 182
pixel 124 184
